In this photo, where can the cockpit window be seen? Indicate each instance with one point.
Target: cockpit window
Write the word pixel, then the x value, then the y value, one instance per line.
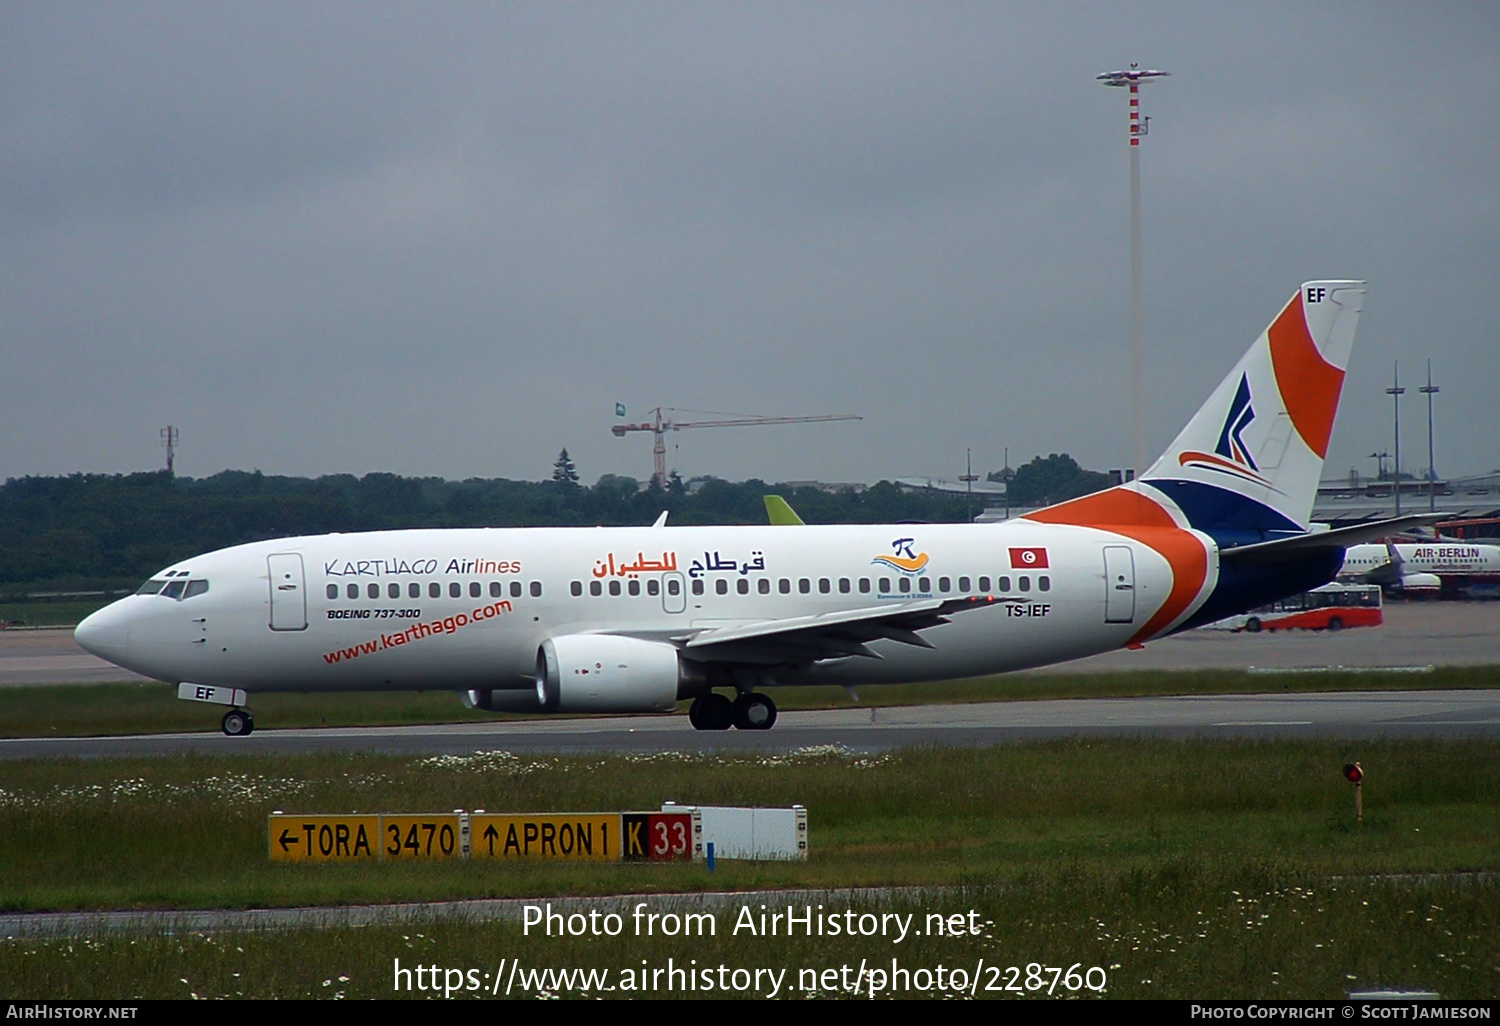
pixel 151 587
pixel 195 588
pixel 175 589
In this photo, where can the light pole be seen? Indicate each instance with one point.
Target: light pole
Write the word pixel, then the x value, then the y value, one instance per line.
pixel 1133 79
pixel 1430 390
pixel 1396 392
pixel 968 479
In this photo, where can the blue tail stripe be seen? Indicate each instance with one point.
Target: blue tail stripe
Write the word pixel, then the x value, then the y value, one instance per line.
pixel 1224 514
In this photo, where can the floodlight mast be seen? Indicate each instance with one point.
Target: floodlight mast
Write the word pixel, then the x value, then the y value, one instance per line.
pixel 1133 79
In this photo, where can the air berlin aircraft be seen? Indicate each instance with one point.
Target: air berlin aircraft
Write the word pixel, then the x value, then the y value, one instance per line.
pixel 636 619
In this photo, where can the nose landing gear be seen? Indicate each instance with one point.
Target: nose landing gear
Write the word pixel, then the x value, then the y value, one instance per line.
pixel 238 723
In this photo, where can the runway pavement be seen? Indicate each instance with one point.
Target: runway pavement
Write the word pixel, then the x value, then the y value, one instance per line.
pixel 1444 714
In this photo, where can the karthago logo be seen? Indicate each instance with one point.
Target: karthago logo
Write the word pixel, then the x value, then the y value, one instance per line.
pixel 903 559
pixel 1241 413
pixel 1231 456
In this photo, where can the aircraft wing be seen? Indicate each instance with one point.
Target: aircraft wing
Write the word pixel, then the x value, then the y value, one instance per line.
pixel 837 635
pixel 1339 538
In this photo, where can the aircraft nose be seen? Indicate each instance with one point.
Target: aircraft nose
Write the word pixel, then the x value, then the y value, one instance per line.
pixel 105 634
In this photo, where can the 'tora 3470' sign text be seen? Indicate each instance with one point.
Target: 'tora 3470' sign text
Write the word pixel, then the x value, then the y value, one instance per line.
pixel 550 837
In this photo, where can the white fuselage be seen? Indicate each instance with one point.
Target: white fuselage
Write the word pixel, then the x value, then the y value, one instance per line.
pixel 467 609
pixel 1446 559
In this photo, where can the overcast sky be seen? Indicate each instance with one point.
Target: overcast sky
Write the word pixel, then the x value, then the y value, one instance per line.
pixel 445 239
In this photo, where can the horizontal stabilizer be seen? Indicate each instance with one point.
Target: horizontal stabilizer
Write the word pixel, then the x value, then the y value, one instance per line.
pixel 1340 538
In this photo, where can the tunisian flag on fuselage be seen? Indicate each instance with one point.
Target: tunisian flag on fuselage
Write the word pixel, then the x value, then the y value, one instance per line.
pixel 1028 559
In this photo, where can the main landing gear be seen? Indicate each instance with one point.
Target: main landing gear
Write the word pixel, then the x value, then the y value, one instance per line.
pixel 752 711
pixel 237 723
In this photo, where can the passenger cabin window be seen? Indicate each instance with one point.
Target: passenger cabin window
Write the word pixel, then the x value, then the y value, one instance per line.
pixel 653 587
pixel 474 591
pixel 455 590
pixel 634 587
pixel 885 586
pixel 963 584
pixel 195 588
pixel 576 588
pixel 721 586
pixel 1002 584
pixel 674 586
pixel 697 587
pixel 333 591
pixel 352 591
pixel 536 589
pixel 434 590
pixel 515 589
pixel 924 584
pixel 1044 583
pixel 595 588
pixel 804 586
pixel 843 585
pixel 904 584
pixel 742 586
pixel 614 587
pixel 414 590
pixel 393 591
pixel 373 590
pixel 945 584
pixel 984 584
pixel 495 589
pixel 763 586
pixel 824 586
pixel 784 586
pixel 864 586
pixel 1025 583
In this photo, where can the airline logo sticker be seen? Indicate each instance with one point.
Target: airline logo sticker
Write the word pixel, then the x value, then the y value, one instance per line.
pixel 1231 456
pixel 902 558
pixel 1028 559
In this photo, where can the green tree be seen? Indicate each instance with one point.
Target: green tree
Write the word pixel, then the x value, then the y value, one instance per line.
pixel 1053 478
pixel 563 471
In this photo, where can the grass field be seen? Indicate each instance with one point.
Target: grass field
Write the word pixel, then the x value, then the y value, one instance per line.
pixel 67 710
pixel 1177 931
pixel 191 831
pixel 1178 868
pixel 51 614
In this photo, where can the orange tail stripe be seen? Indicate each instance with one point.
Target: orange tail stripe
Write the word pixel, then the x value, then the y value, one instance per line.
pixel 1309 384
pixel 1128 512
pixel 1106 509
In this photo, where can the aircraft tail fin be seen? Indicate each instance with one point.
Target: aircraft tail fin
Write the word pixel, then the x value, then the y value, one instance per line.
pixel 780 512
pixel 1247 465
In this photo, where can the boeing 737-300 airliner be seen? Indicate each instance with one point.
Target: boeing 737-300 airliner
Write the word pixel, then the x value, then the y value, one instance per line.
pixel 614 620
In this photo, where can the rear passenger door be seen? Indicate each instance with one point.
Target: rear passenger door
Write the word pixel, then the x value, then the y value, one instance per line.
pixel 1119 584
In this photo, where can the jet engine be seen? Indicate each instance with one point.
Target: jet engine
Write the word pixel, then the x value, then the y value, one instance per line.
pixel 1421 582
pixel 522 701
pixel 609 673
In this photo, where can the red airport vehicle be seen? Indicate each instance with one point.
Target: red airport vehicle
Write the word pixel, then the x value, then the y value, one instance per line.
pixel 1329 608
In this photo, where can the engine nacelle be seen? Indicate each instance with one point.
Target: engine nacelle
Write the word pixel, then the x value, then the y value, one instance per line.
pixel 608 673
pixel 1421 582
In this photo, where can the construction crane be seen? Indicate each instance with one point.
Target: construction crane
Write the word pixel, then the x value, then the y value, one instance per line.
pixel 662 421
